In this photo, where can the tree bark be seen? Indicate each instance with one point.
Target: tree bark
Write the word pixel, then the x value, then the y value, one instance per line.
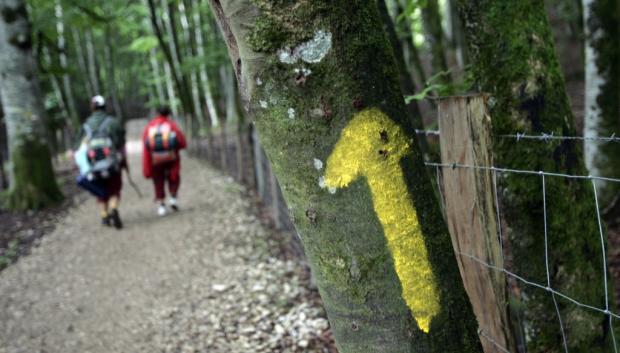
pixel 330 113
pixel 77 40
pixel 161 98
pixel 110 61
pixel 513 59
pixel 602 91
pixel 32 180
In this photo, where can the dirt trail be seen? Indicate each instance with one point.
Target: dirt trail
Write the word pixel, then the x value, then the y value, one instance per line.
pixel 87 288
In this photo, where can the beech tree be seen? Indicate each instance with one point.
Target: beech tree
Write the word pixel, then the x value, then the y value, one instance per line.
pixel 32 181
pixel 602 91
pixel 321 81
pixel 513 60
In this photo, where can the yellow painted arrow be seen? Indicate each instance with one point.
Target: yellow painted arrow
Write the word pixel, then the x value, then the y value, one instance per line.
pixel 371 146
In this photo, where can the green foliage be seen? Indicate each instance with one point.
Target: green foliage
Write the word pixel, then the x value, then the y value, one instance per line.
pixel 143 44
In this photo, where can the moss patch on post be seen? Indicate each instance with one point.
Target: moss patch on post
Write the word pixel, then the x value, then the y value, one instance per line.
pixel 33 185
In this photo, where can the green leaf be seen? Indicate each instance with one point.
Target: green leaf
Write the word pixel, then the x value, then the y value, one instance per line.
pixel 143 44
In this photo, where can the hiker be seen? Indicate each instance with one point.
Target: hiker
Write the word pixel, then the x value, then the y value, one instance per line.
pixel 161 159
pixel 101 158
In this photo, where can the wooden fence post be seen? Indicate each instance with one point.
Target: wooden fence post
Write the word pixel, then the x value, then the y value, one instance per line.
pixel 465 129
pixel 258 158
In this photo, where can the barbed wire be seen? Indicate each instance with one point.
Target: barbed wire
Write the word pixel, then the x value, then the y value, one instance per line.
pixel 542 137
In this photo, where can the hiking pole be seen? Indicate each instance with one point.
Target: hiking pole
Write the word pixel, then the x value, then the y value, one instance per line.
pixel 133 185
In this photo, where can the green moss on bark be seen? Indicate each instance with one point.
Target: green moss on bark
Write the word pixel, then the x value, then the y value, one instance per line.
pixel 300 115
pixel 514 60
pixel 34 184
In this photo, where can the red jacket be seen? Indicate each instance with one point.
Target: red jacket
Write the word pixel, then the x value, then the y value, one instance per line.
pixel 147 165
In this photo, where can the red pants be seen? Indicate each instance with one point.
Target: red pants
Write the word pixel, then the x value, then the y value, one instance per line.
pixel 166 172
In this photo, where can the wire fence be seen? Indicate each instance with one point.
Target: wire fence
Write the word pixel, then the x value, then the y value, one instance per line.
pixel 240 155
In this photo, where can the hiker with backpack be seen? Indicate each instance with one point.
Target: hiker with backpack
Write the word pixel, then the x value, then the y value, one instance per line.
pixel 101 159
pixel 161 159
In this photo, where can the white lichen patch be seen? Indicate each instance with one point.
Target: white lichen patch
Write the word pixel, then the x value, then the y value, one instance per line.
pixel 318 164
pixel 322 183
pixel 311 52
pixel 291 113
pixel 259 82
pixel 332 190
pixel 263 104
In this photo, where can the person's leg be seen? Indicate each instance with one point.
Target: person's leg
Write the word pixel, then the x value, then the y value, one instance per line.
pixel 115 184
pixel 174 181
pixel 103 206
pixel 159 178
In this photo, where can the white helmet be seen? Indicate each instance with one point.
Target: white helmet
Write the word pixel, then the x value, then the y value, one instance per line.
pixel 98 101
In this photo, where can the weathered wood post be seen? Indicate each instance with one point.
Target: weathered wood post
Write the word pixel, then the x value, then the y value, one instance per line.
pixel 465 129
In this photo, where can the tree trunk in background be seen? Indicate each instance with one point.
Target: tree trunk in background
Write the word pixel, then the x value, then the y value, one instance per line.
pixel 431 17
pixel 406 81
pixel 66 78
pixel 404 27
pixel 204 77
pixel 189 37
pixel 108 52
pixel 329 110
pixel 92 63
pixel 157 76
pixel 33 184
pixel 170 89
pixel 602 91
pixel 513 59
pixel 77 40
pixel 456 34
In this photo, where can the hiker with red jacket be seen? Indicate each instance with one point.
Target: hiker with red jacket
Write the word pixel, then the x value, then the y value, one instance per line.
pixel 161 159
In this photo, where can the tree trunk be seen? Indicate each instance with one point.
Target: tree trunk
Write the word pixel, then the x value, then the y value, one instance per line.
pixel 188 36
pixel 109 58
pixel 431 17
pixel 62 56
pixel 77 40
pixel 406 81
pixel 513 59
pixel 32 180
pixel 161 98
pixel 331 117
pixel 204 77
pixel 602 91
pixel 93 70
pixel 174 102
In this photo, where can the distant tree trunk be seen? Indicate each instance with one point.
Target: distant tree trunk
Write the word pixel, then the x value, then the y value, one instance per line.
pixel 32 180
pixel 204 77
pixel 77 40
pixel 93 70
pixel 602 104
pixel 110 61
pixel 161 98
pixel 189 38
pixel 62 57
pixel 431 17
pixel 172 97
pixel 404 26
pixel 4 181
pixel 456 34
pixel 513 59
pixel 406 81
pixel 389 283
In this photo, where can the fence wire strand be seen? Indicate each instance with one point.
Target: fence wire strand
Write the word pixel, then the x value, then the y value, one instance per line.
pixel 548 286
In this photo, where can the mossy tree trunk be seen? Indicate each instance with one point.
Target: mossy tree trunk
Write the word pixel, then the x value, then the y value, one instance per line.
pixel 321 81
pixel 32 181
pixel 602 105
pixel 513 59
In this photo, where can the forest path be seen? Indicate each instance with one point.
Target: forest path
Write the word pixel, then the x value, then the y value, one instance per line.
pixel 166 284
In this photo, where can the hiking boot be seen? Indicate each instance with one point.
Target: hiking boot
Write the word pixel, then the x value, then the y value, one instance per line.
pixel 173 203
pixel 116 219
pixel 161 210
pixel 105 221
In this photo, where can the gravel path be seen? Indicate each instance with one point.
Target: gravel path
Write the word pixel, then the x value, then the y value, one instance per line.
pixel 200 280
